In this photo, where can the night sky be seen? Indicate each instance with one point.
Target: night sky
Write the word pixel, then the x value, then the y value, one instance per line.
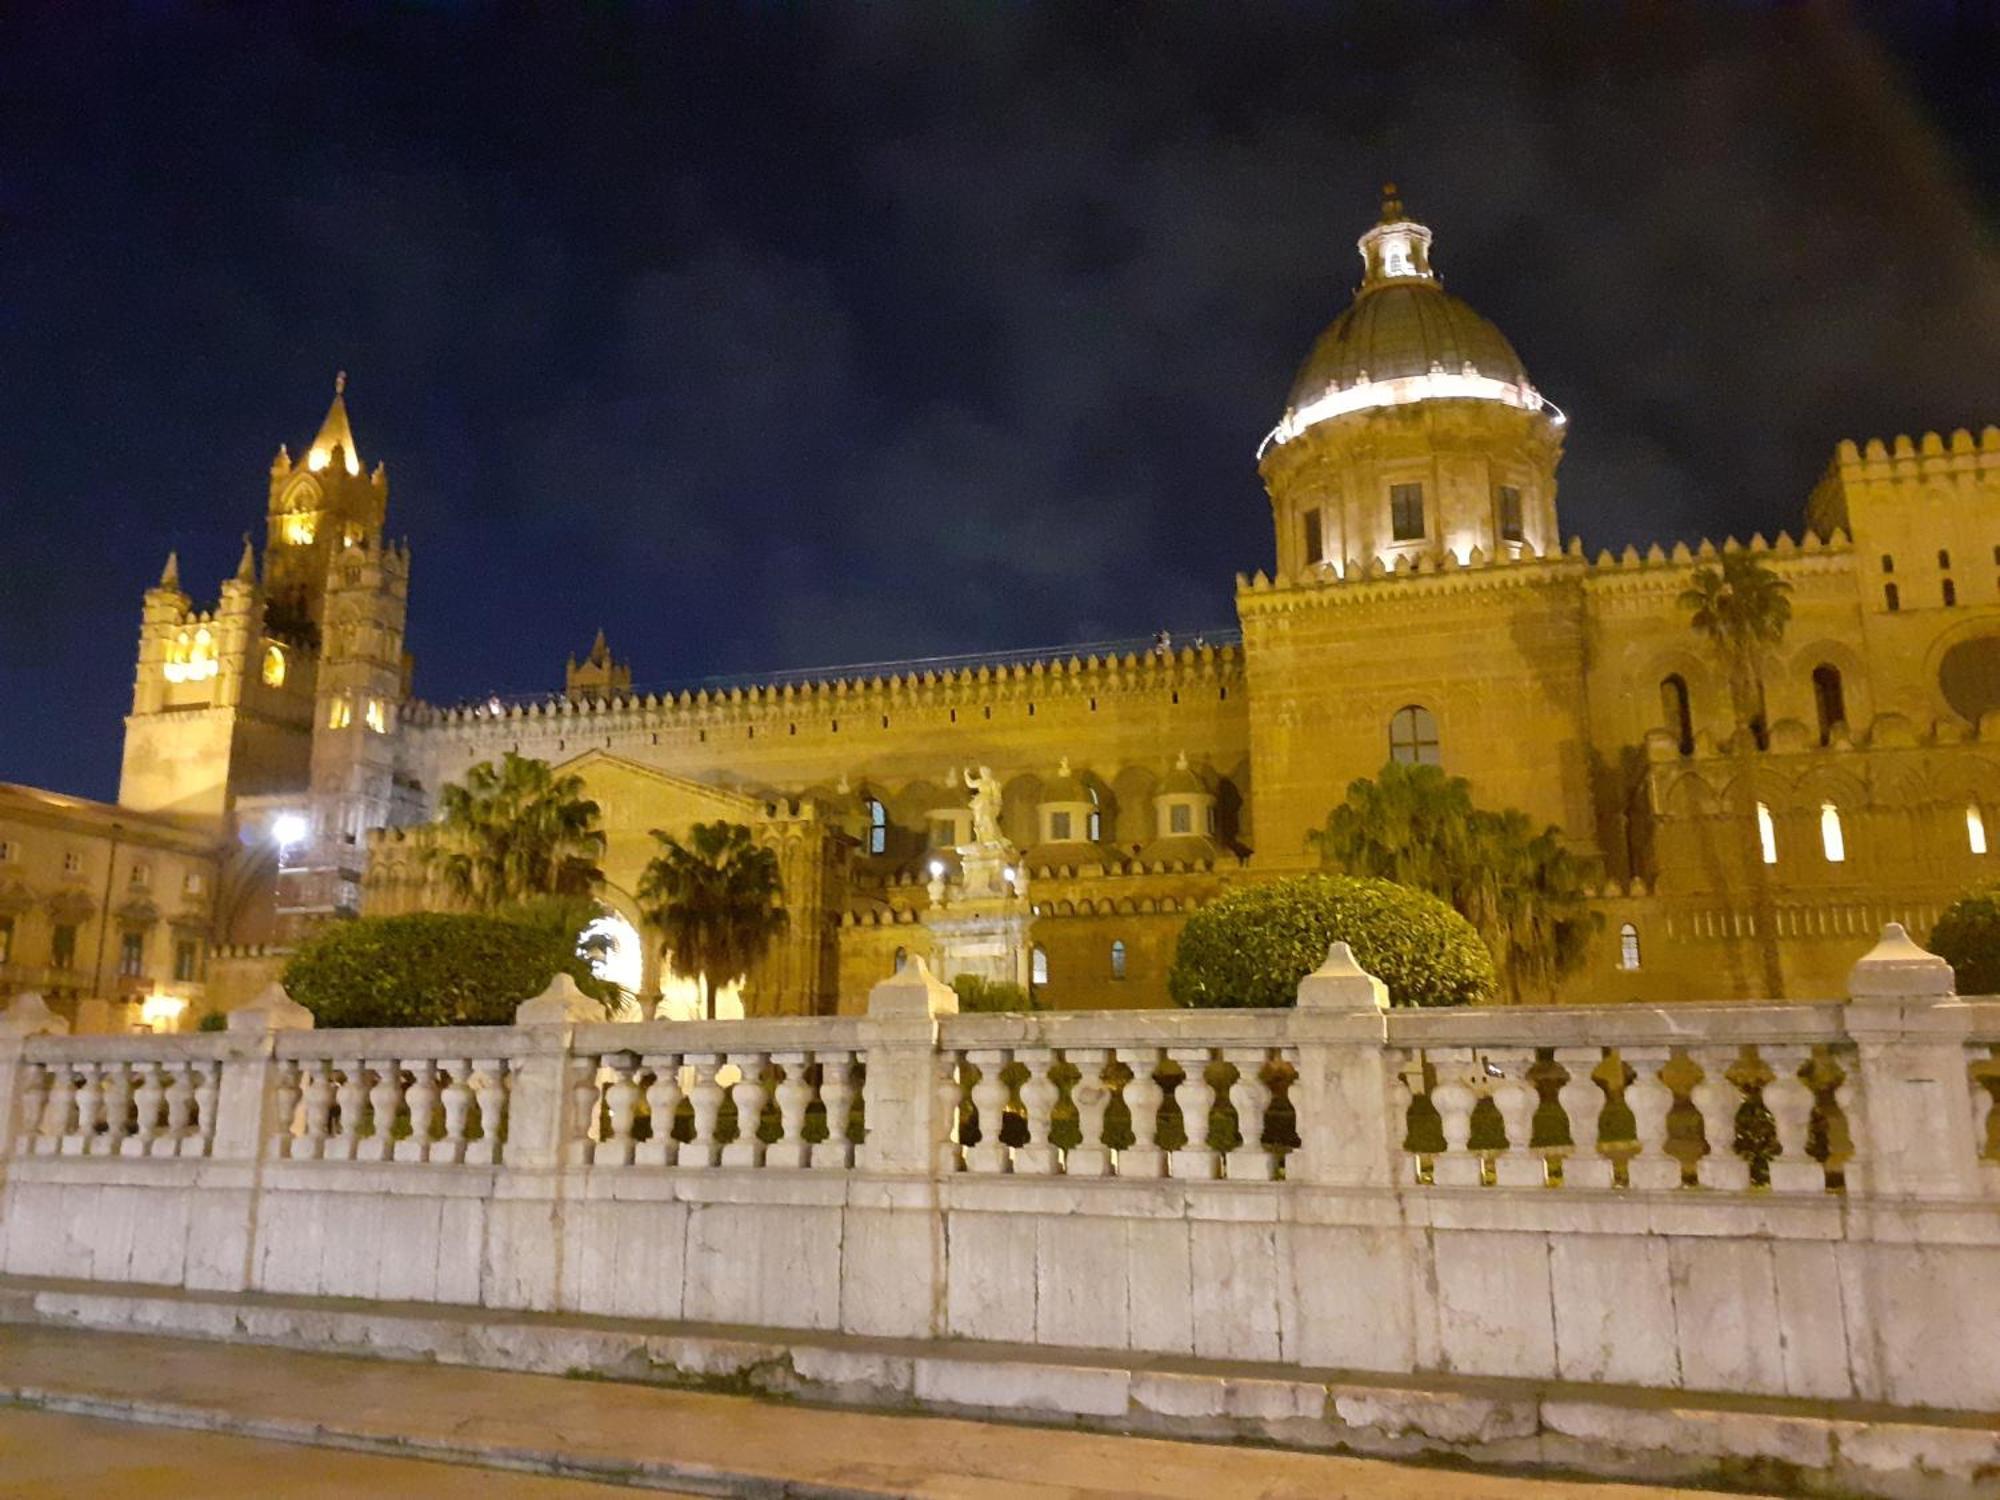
pixel 766 336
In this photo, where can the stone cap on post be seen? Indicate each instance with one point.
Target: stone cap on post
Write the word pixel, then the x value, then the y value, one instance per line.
pixel 272 1010
pixel 1897 969
pixel 28 1014
pixel 913 991
pixel 558 1005
pixel 1341 984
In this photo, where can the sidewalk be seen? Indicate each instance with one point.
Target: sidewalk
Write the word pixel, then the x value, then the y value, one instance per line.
pixel 650 1438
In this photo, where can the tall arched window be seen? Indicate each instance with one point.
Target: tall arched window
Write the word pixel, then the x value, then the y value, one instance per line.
pixel 1829 698
pixel 1975 828
pixel 878 825
pixel 1891 597
pixel 1832 836
pixel 1096 815
pixel 1118 958
pixel 1413 736
pixel 1628 947
pixel 274 667
pixel 902 957
pixel 1767 835
pixel 1038 968
pixel 1680 717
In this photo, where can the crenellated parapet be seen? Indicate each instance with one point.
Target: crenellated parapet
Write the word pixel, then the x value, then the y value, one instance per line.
pixel 1902 471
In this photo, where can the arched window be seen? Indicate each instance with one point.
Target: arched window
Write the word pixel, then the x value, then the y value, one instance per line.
pixel 1829 698
pixel 1944 557
pixel 1767 835
pixel 1832 837
pixel 1680 717
pixel 1892 597
pixel 1413 736
pixel 902 957
pixel 1038 968
pixel 1628 947
pixel 274 667
pixel 201 660
pixel 878 825
pixel 1950 593
pixel 1096 815
pixel 1975 828
pixel 1118 958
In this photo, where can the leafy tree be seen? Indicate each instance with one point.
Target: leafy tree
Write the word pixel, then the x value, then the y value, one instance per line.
pixel 430 969
pixel 1741 609
pixel 1252 947
pixel 716 901
pixel 1521 889
pixel 1967 937
pixel 514 834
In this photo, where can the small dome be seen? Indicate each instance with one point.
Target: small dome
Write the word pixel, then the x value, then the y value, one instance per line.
pixel 1182 780
pixel 1402 328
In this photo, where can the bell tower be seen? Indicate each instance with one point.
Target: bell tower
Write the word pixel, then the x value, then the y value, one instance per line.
pixel 319 508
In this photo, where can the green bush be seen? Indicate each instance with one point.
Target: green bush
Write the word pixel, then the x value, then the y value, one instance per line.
pixel 1253 946
pixel 1967 937
pixel 212 1020
pixel 430 969
pixel 979 994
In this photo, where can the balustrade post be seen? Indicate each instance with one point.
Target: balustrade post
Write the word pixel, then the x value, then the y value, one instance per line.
pixel 539 1121
pixel 26 1015
pixel 422 1100
pixel 1251 1096
pixel 989 1098
pixel 1910 1114
pixel 1350 1133
pixel 836 1092
pixel 663 1102
pixel 1515 1097
pixel 1455 1098
pixel 1038 1101
pixel 1789 1098
pixel 908 1125
pixel 747 1094
pixel 455 1100
pixel 1717 1100
pixel 1089 1157
pixel 117 1109
pixel 706 1098
pixel 89 1105
pixel 1143 1098
pixel 251 1112
pixel 1195 1096
pixel 794 1095
pixel 489 1092
pixel 1651 1168
pixel 1583 1103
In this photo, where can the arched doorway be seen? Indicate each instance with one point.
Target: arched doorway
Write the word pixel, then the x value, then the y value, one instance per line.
pixel 617 955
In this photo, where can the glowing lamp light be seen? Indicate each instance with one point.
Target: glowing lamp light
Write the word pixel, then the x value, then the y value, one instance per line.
pixel 161 1011
pixel 937 869
pixel 288 829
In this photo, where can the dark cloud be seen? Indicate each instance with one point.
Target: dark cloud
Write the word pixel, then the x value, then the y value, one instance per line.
pixel 766 338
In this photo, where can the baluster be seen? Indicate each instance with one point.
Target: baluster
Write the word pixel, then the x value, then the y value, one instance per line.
pixel 706 1097
pixel 180 1109
pixel 1651 1169
pixel 951 1154
pixel 1454 1098
pixel 621 1103
pixel 117 1109
pixel 1979 1082
pixel 351 1098
pixel 1717 1100
pixel 836 1093
pixel 1195 1097
pixel 989 1098
pixel 148 1103
pixel 663 1102
pixel 586 1110
pixel 58 1111
pixel 1854 1168
pixel 748 1094
pixel 1515 1097
pixel 1582 1100
pixel 385 1100
pixel 1038 1101
pixel 1252 1161
pixel 34 1100
pixel 1789 1098
pixel 1407 1083
pixel 285 1093
pixel 318 1091
pixel 89 1105
pixel 455 1099
pixel 1143 1097
pixel 489 1093
pixel 1089 1157
pixel 422 1102
pixel 208 1086
pixel 793 1093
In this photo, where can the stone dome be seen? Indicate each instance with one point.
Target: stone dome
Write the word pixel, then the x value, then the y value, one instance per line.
pixel 1401 328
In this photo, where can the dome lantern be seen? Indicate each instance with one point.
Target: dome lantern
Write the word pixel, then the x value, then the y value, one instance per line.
pixel 1398 248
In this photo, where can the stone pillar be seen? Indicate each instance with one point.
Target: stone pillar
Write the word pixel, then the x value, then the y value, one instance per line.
pixel 538 1095
pixel 906 1123
pixel 245 1116
pixel 1910 1109
pixel 26 1015
pixel 1350 1132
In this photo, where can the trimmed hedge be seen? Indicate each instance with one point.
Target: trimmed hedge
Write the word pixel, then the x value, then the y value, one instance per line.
pixel 1253 946
pixel 430 969
pixel 1967 937
pixel 976 994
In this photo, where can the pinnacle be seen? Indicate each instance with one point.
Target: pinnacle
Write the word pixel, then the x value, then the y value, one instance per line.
pixel 170 575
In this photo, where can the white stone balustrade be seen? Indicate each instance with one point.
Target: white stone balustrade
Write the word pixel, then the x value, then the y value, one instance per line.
pixel 1754 1198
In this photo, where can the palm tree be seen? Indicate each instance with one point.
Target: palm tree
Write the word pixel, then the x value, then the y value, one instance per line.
pixel 1741 609
pixel 715 901
pixel 517 835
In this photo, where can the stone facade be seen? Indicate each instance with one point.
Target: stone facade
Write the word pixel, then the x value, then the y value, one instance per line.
pixel 1422 604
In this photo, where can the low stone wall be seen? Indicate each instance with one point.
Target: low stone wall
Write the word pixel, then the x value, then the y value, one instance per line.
pixel 1786 1201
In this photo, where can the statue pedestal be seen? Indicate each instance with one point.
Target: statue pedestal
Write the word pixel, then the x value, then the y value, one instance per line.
pixel 979 925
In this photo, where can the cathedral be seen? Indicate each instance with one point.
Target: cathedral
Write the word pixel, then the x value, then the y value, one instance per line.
pixel 1421 605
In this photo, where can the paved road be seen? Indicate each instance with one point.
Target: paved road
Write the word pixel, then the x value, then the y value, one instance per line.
pixel 44 1456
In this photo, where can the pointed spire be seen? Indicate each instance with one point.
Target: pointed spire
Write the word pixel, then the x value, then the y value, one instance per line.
pixel 335 433
pixel 170 575
pixel 246 566
pixel 599 651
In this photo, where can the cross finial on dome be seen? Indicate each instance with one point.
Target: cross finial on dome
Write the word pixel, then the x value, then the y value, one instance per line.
pixel 340 382
pixel 1392 204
